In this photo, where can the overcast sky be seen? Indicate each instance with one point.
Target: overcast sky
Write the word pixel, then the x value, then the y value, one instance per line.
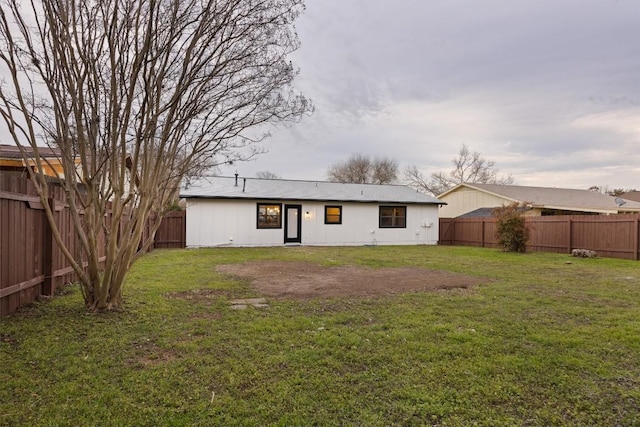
pixel 548 89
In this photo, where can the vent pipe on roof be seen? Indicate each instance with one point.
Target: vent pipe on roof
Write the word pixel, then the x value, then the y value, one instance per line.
pixel 244 183
pixel 236 179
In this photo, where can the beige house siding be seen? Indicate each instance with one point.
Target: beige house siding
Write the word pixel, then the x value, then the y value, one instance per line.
pixel 533 212
pixel 464 200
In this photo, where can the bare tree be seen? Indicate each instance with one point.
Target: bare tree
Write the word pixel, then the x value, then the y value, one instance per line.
pixel 436 183
pixel 356 170
pixel 384 171
pixel 135 94
pixel 469 167
pixel 267 175
pixel 604 189
pixel 362 169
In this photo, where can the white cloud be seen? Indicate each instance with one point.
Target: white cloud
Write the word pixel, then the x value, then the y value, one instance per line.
pixel 549 90
pixel 623 124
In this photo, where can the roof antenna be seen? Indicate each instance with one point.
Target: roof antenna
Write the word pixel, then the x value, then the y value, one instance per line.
pixel 236 179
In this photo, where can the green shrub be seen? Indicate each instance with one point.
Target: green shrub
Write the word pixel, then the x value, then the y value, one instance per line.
pixel 511 229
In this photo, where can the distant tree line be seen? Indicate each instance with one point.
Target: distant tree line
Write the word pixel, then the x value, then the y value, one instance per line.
pixel 363 169
pixel 468 167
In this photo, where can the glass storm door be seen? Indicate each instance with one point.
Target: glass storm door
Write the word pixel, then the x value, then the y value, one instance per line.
pixel 292 223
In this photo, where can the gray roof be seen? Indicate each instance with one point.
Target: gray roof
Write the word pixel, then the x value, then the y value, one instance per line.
pixel 479 213
pixel 556 198
pixel 631 195
pixel 281 189
pixel 13 152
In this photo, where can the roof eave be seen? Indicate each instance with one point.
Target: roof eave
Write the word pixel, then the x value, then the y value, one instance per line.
pixel 307 199
pixel 464 184
pixel 578 209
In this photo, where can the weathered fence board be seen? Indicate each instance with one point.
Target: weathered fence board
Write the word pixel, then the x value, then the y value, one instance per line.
pixel 21 240
pixel 615 236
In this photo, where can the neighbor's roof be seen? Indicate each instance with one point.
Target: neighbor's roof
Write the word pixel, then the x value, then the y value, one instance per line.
pixel 555 198
pixel 631 195
pixel 13 152
pixel 479 213
pixel 281 189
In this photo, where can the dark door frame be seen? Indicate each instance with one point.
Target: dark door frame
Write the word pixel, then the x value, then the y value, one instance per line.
pixel 298 238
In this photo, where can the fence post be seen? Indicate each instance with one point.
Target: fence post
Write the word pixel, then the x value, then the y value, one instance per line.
pixel 47 251
pixel 570 240
pixel 453 231
pixel 482 235
pixel 183 229
pixel 636 238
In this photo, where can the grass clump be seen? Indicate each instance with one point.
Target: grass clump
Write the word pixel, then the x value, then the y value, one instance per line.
pixel 542 342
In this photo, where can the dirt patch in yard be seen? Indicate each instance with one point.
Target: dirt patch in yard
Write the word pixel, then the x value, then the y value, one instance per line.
pixel 308 280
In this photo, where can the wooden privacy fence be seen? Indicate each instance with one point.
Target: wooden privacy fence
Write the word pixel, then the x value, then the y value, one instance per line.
pixel 31 264
pixel 615 236
pixel 172 233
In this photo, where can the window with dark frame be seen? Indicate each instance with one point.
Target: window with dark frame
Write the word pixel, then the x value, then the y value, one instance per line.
pixel 269 215
pixel 333 214
pixel 393 217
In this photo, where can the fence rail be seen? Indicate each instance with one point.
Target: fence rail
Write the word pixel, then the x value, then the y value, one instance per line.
pixel 614 236
pixel 31 264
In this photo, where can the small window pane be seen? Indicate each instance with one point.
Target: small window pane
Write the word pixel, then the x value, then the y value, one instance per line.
pixel 333 214
pixel 269 216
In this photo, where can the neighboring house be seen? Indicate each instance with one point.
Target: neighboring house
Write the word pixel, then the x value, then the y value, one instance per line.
pixel 272 212
pixel 631 195
pixel 11 160
pixel 476 200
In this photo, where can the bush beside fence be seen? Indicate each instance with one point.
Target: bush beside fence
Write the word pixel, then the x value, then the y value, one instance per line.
pixel 615 236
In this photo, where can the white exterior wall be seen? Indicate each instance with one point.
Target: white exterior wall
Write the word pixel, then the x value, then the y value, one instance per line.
pixel 234 223
pixel 466 200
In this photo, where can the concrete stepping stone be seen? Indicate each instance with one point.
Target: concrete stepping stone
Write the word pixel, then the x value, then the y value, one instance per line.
pixel 242 304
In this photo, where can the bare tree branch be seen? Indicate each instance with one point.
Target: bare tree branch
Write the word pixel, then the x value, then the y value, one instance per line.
pixel 362 169
pixel 469 167
pixel 385 171
pixel 267 175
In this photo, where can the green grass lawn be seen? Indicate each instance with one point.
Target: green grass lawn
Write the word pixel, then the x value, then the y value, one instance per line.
pixel 542 342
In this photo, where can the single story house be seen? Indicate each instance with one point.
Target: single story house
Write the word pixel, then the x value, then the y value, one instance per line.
pixel 479 200
pixel 233 211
